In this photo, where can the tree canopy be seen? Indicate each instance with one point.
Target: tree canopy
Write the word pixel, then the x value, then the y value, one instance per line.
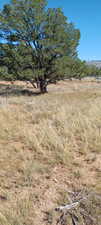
pixel 37 39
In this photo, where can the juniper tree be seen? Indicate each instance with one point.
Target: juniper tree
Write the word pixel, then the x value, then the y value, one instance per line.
pixel 45 34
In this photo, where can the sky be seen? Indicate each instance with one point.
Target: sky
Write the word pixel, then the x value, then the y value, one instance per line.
pixel 86 15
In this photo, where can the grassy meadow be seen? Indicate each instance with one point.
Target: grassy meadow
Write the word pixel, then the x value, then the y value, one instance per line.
pixel 49 144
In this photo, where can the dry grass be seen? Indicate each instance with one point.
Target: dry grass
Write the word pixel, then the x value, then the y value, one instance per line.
pixel 47 144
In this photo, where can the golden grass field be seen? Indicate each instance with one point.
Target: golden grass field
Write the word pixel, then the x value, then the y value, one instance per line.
pixel 49 144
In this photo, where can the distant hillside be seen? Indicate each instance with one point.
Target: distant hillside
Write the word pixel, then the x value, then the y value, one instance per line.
pixel 96 63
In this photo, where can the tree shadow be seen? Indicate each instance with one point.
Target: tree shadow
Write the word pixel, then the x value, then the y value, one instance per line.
pixel 14 90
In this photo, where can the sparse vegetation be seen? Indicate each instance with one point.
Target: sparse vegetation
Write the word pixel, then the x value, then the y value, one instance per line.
pixel 48 144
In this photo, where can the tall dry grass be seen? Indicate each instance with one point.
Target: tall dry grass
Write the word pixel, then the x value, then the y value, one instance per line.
pixel 53 125
pixel 40 133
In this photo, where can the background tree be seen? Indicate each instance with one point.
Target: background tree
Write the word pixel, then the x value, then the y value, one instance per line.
pixel 46 36
pixel 79 69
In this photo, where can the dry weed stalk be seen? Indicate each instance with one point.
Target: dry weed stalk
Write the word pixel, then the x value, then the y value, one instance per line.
pixel 81 210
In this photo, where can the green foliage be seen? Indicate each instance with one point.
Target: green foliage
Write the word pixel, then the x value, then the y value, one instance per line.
pixel 38 39
pixel 79 69
pixel 93 70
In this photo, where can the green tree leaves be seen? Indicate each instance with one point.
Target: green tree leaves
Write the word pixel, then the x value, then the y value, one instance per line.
pixel 38 39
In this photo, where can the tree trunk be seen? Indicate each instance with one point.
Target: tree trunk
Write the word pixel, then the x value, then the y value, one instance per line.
pixel 43 86
pixel 33 84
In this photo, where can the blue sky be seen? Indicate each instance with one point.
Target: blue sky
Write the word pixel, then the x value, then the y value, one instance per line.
pixel 86 15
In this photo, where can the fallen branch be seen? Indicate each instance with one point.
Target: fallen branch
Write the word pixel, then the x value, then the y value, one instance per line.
pixel 70 206
pixel 67 207
pixel 82 207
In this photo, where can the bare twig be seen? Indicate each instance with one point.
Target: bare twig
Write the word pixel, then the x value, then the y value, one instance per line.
pixel 79 207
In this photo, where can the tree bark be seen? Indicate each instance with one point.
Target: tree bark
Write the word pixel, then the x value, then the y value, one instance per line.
pixel 43 86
